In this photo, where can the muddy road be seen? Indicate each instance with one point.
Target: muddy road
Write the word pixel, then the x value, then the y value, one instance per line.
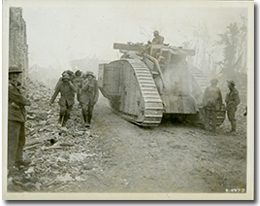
pixel 173 157
pixel 117 156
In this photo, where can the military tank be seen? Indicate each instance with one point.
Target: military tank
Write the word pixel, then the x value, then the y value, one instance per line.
pixel 150 81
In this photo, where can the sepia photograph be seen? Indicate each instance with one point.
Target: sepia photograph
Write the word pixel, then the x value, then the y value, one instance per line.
pixel 128 100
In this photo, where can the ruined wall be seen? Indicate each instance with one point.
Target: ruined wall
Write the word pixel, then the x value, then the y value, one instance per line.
pixel 18 48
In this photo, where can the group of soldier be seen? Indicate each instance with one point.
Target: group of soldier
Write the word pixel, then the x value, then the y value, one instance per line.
pixel 86 88
pixel 212 101
pixel 84 85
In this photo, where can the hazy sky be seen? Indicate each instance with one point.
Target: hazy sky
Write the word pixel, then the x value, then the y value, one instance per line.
pixel 60 32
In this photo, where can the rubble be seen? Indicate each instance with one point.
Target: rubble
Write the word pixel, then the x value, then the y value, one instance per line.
pixel 59 155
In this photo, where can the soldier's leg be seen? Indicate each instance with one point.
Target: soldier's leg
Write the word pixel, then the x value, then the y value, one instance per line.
pixel 87 112
pixel 67 115
pixel 233 118
pixel 62 113
pixel 19 154
pixel 84 112
pixel 90 109
pixel 78 97
pixel 69 109
pixel 214 120
pixel 13 140
pixel 207 119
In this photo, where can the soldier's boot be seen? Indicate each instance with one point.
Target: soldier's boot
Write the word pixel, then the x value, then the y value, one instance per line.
pixel 88 122
pixel 24 163
pixel 233 127
pixel 65 119
pixel 84 118
pixel 89 118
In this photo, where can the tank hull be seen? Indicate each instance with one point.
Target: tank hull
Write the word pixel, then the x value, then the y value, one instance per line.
pixel 130 88
pixel 142 88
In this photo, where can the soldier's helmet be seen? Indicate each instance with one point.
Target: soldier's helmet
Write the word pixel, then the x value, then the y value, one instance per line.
pixel 89 73
pixel 214 81
pixel 156 32
pixel 69 72
pixel 232 82
pixel 65 76
pixel 15 69
pixel 65 72
pixel 78 73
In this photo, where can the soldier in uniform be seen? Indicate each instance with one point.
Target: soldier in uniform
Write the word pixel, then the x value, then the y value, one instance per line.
pixel 16 120
pixel 232 101
pixel 71 75
pixel 67 90
pixel 77 81
pixel 88 97
pixel 212 101
pixel 60 80
pixel 157 38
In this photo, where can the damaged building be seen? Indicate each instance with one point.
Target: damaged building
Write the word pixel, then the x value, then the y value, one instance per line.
pixel 18 48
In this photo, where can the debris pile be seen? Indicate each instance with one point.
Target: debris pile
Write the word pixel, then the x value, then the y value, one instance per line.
pixel 59 155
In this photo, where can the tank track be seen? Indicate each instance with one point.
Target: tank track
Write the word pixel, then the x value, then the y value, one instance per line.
pixel 153 105
pixel 200 77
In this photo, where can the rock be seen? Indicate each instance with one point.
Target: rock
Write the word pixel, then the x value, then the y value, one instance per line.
pixel 36 136
pixel 38 185
pixel 41 123
pixel 78 178
pixel 30 170
pixel 153 144
pixel 63 129
pixel 31 117
pixel 64 178
pixel 42 116
pixel 88 167
pixel 79 133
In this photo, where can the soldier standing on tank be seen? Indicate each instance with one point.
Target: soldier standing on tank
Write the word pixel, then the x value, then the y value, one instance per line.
pixel 16 120
pixel 212 101
pixel 157 38
pixel 88 97
pixel 232 101
pixel 67 90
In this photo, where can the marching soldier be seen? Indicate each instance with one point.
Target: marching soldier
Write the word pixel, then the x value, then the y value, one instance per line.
pixel 16 120
pixel 232 101
pixel 71 75
pixel 88 97
pixel 60 80
pixel 77 81
pixel 67 90
pixel 212 101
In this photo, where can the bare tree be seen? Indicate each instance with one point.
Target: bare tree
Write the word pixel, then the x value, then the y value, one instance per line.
pixel 234 40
